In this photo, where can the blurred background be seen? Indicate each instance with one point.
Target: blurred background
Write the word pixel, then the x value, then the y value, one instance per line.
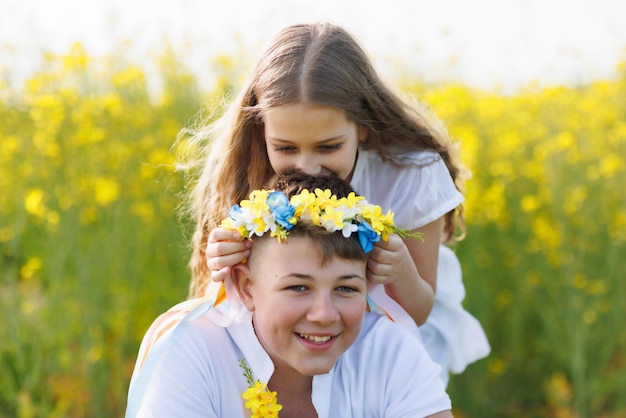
pixel 92 248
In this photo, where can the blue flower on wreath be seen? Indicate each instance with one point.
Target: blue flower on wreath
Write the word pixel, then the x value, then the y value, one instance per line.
pixel 367 236
pixel 283 211
pixel 235 212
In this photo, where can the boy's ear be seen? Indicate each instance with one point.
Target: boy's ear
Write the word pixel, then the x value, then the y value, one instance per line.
pixel 242 280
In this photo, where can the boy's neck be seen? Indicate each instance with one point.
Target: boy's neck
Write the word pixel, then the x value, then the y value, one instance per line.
pixel 285 379
pixel 293 393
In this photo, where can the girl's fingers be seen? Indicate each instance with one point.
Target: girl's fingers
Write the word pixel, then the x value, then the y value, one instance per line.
pixel 221 234
pixel 220 275
pixel 378 269
pixel 229 260
pixel 377 278
pixel 381 256
pixel 223 248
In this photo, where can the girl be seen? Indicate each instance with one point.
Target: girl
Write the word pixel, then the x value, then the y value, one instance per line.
pixel 315 103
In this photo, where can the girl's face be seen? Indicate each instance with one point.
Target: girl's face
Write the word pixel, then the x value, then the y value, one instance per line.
pixel 312 138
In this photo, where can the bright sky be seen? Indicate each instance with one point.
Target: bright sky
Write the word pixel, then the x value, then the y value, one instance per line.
pixel 486 43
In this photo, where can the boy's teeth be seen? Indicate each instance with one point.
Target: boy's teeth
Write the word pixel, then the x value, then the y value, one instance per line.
pixel 315 338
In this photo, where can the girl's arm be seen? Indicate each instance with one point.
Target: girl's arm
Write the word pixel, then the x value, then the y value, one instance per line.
pixel 394 264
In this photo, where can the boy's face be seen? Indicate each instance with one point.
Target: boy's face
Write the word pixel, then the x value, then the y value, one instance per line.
pixel 314 139
pixel 305 314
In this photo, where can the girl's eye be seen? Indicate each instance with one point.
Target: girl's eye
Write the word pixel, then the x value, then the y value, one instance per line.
pixel 330 148
pixel 297 288
pixel 285 149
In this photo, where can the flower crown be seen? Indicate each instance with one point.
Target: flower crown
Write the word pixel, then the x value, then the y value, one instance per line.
pixel 272 211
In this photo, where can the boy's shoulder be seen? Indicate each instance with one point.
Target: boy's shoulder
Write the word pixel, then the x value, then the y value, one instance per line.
pixel 380 335
pixel 394 358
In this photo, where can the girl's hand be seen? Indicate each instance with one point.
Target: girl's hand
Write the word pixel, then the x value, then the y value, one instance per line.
pixel 394 264
pixel 225 249
pixel 388 261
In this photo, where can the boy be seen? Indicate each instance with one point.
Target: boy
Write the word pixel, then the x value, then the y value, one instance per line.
pixel 292 331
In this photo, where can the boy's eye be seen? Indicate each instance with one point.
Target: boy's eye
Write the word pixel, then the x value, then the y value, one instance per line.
pixel 347 289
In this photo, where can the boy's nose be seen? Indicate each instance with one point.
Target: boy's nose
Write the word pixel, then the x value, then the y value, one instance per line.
pixel 323 310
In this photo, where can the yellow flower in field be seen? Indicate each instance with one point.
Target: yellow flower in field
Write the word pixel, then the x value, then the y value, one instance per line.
pixel 493 205
pixel 8 146
pixel 503 299
pixel 34 202
pixel 529 203
pixel 610 165
pixel 129 76
pixel 144 210
pixel 590 317
pixel 95 353
pixel 32 265
pixel 106 191
pixel 6 233
pixel 47 112
pixel 112 103
pixel 597 287
pixel 545 233
pixel 497 366
pixel 565 141
pixel 579 281
pixel 76 59
pixel 471 144
pixel 617 227
pixel 89 215
pixel 52 220
pixel 574 199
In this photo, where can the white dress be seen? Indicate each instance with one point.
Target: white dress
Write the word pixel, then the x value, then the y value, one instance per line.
pixel 188 367
pixel 420 191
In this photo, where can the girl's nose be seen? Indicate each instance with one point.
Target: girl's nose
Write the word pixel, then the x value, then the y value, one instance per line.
pixel 309 165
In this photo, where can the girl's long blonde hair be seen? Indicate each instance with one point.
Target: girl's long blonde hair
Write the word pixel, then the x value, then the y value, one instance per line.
pixel 314 63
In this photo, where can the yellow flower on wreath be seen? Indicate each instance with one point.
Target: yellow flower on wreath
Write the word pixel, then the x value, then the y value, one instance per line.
pixel 381 223
pixel 275 212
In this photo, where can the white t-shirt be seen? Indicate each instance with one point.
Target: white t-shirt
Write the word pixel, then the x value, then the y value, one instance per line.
pixel 385 373
pixel 420 190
